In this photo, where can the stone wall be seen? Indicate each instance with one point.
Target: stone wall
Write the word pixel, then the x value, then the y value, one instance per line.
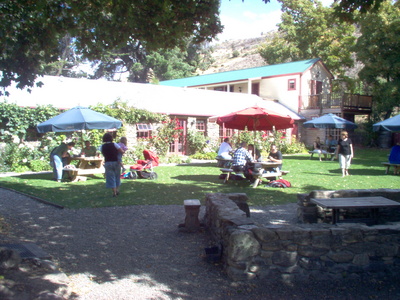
pixel 298 251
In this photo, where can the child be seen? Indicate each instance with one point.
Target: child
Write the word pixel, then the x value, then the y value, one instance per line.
pixel 122 143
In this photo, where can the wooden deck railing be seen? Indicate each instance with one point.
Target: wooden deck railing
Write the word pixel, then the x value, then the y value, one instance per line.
pixel 349 102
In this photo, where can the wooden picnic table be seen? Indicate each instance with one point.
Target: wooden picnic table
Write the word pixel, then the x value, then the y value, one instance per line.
pixel 396 167
pixel 266 171
pixel 371 203
pixel 86 166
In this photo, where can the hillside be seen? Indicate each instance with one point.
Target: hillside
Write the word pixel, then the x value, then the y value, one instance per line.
pixel 235 55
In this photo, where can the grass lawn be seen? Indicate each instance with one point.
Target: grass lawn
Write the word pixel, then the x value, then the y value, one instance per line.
pixel 193 181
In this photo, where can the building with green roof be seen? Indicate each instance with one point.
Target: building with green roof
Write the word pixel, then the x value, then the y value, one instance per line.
pixel 304 87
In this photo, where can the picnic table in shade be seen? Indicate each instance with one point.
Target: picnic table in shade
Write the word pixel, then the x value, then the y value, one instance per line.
pixel 86 166
pixel 371 203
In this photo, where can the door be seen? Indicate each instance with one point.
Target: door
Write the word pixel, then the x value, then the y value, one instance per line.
pixel 178 146
pixel 255 89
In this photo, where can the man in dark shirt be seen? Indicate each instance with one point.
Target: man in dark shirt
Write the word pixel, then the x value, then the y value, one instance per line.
pixel 276 156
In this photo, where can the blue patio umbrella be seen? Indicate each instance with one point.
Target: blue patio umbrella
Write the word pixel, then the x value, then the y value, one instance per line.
pixel 391 124
pixel 79 118
pixel 330 121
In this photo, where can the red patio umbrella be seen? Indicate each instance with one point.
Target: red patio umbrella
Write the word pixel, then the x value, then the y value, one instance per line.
pixel 255 118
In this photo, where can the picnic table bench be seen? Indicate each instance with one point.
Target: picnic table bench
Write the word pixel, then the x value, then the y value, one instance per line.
pixel 271 175
pixel 258 176
pixel 222 162
pixel 327 155
pixel 396 167
pixel 86 166
pixel 371 203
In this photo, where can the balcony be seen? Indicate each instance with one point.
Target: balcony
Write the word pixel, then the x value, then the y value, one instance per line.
pixel 354 103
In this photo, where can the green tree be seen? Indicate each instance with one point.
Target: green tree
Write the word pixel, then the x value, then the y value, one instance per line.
pixel 346 9
pixel 378 48
pixel 16 121
pixel 31 30
pixel 145 66
pixel 310 30
pixel 67 61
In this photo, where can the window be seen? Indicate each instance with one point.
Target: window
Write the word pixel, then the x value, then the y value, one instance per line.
pixel 291 84
pixel 224 133
pixel 220 88
pixel 201 126
pixel 143 130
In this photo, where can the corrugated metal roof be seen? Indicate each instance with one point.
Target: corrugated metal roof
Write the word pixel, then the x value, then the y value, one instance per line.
pixel 237 75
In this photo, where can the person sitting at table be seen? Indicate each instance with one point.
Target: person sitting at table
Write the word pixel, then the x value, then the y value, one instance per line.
pixel 276 156
pixel 318 147
pixel 241 158
pixel 88 150
pixel 331 144
pixel 224 150
pixel 255 153
pixel 59 158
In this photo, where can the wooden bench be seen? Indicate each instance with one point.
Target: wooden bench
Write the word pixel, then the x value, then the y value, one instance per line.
pixel 396 167
pixel 228 173
pixel 74 173
pixel 327 155
pixel 259 176
pixel 371 203
pixel 223 163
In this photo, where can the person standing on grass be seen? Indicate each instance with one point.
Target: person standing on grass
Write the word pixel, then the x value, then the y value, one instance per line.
pixel 59 158
pixel 110 151
pixel 344 152
pixel 123 142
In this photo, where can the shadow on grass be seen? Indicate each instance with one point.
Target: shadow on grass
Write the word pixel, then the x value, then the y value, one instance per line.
pixel 92 193
pixel 197 165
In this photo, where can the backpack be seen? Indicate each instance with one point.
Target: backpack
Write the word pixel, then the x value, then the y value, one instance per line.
pixel 281 183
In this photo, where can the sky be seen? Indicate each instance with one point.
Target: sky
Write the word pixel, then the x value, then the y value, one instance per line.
pixel 250 18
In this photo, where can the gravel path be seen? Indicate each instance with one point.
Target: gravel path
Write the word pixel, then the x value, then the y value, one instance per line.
pixel 137 252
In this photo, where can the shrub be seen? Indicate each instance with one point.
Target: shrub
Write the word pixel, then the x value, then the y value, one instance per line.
pixel 196 141
pixel 204 156
pixel 38 165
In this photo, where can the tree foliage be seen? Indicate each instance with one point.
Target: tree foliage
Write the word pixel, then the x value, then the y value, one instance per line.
pixel 31 30
pixel 128 114
pixel 145 66
pixel 347 9
pixel 18 122
pixel 309 30
pixel 378 48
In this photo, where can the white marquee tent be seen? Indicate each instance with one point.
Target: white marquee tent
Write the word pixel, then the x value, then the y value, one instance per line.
pixel 65 92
